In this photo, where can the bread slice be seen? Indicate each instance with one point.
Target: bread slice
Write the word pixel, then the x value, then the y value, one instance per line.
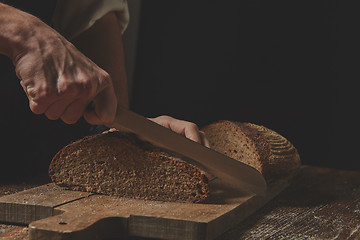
pixel 119 164
pixel 267 151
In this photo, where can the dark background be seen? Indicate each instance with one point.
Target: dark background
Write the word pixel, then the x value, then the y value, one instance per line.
pixel 288 65
pixel 280 64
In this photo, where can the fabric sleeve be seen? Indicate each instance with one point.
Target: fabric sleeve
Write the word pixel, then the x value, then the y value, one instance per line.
pixel 73 17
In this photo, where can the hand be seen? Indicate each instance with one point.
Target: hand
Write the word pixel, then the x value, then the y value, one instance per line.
pixel 188 129
pixel 61 82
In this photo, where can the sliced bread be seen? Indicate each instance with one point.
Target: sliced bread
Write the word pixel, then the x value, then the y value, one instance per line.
pixel 119 164
pixel 267 151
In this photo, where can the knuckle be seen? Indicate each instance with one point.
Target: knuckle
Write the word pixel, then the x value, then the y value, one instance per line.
pixel 105 79
pixel 165 118
pixel 67 88
pixel 41 93
pixel 87 86
pixel 105 75
pixel 83 85
pixel 192 125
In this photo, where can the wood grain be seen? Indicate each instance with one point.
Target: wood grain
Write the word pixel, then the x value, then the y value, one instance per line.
pixel 320 204
pixel 79 215
pixel 13 232
pixel 36 203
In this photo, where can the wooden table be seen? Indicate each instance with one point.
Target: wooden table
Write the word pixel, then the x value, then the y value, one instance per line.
pixel 321 203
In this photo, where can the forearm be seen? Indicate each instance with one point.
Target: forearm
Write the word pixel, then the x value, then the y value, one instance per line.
pixel 102 43
pixel 16 28
pixel 9 30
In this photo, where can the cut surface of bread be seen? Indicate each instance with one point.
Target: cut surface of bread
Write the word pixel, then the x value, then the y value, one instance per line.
pixel 115 163
pixel 265 150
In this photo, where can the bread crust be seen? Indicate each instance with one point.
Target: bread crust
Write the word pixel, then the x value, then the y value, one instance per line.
pixel 137 169
pixel 277 159
pixel 132 170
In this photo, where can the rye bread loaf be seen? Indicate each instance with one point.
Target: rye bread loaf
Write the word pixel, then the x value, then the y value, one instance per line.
pixel 119 164
pixel 267 151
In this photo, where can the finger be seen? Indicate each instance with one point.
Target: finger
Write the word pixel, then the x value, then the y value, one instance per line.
pixel 204 139
pixel 104 110
pixel 162 120
pixel 67 106
pixel 38 107
pixel 173 124
pixel 24 88
pixel 188 129
pixel 192 132
pixel 57 109
pixel 74 111
pixel 40 99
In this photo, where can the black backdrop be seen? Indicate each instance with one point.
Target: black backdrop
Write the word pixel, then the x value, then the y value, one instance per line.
pixel 288 65
pixel 272 63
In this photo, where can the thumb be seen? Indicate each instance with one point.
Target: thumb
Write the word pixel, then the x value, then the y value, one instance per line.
pixel 102 110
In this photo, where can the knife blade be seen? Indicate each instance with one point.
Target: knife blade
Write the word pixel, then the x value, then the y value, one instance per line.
pixel 231 171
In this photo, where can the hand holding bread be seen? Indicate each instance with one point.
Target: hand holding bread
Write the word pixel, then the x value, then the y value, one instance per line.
pixel 188 129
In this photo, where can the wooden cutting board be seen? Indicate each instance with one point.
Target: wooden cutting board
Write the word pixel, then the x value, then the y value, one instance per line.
pixel 53 212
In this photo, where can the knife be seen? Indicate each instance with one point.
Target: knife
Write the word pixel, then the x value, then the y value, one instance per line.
pixel 234 173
